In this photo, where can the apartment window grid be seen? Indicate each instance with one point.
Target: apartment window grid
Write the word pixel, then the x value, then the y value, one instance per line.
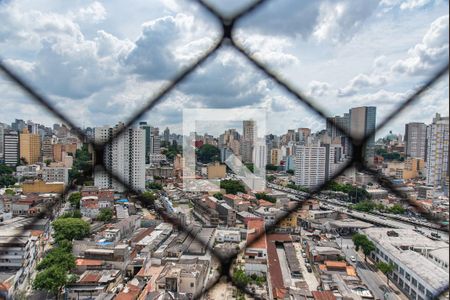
pixel 357 142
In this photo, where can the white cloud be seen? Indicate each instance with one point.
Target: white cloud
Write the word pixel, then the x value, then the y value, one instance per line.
pixel 430 53
pixel 93 13
pixel 361 82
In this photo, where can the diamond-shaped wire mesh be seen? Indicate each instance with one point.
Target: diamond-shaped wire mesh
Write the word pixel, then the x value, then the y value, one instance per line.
pixel 227 37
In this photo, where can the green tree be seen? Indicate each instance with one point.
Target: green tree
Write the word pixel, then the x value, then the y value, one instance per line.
pixel 208 153
pixel 297 187
pixel 10 192
pixel 70 228
pixel 47 162
pixel 147 199
pixel 5 170
pixel 266 197
pixel 250 167
pixel 218 196
pixel 154 186
pixel 71 214
pixel 105 215
pixel 396 209
pixel 232 186
pixel 362 242
pixel 74 199
pixel 51 279
pixel 270 167
pixel 7 180
pixel 57 256
pixel 386 268
pixel 239 278
pixel 271 178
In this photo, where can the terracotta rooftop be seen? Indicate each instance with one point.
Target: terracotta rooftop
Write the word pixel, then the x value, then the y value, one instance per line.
pixel 335 264
pixel 88 262
pixel 323 295
pixel 256 228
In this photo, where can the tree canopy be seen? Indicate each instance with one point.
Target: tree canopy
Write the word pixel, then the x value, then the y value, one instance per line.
pixel 74 199
pixel 362 242
pixel 70 229
pixel 51 279
pixel 232 186
pixel 57 256
pixel 147 198
pixel 208 153
pixel 105 215
pixel 266 197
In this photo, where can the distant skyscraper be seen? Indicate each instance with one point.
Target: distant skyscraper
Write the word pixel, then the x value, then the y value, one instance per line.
pixel 437 152
pixel 248 138
pixel 47 148
pixel 416 140
pixel 11 148
pixel 2 142
pixel 155 141
pixel 30 146
pixel 363 122
pixel 167 135
pixel 125 156
pixel 310 164
pixel 332 130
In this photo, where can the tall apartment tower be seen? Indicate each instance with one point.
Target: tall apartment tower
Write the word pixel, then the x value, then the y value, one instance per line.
pixel 362 121
pixel 167 135
pixel 30 146
pixel 2 143
pixel 125 157
pixel 11 148
pixel 416 140
pixel 310 166
pixel 248 138
pixel 155 141
pixel 437 152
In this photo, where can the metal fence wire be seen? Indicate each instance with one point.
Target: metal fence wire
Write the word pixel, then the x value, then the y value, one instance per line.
pixel 227 38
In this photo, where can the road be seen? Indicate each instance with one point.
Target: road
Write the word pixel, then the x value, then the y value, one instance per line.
pixel 310 278
pixel 374 282
pixel 386 221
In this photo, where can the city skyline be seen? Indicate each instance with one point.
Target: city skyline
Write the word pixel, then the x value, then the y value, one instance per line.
pixel 370 54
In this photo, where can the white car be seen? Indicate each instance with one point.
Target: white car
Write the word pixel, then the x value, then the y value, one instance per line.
pixel 352 258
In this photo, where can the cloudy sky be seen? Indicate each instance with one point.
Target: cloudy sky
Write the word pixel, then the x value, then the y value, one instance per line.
pixel 99 62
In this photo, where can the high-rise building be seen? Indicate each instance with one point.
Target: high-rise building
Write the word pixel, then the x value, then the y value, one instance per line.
pixel 310 162
pixel 248 139
pixel 30 146
pixel 155 141
pixel 362 123
pixel 333 123
pixel 147 134
pixel 416 140
pixel 2 130
pixel 437 152
pixel 167 135
pixel 11 148
pixel 47 148
pixel 125 157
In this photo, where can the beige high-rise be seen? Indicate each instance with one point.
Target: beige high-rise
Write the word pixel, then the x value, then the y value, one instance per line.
pixel 30 146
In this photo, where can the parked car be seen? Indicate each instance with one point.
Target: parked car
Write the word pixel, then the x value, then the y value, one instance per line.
pixel 352 258
pixel 308 268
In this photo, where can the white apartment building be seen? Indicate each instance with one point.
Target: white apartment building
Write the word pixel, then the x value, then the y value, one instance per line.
pixel 420 264
pixel 55 174
pixel 11 148
pixel 125 157
pixel 437 152
pixel 18 252
pixel 27 171
pixel 310 162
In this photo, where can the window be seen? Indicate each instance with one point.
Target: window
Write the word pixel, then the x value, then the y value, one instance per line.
pixel 414 281
pixel 402 271
pixel 429 294
pixel 413 294
pixel 407 288
pixel 421 288
pixel 407 276
pixel 192 284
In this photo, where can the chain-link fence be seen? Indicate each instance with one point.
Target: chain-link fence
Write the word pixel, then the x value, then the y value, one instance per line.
pixel 228 38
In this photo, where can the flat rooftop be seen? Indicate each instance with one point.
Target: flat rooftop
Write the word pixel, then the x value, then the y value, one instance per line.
pixel 399 247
